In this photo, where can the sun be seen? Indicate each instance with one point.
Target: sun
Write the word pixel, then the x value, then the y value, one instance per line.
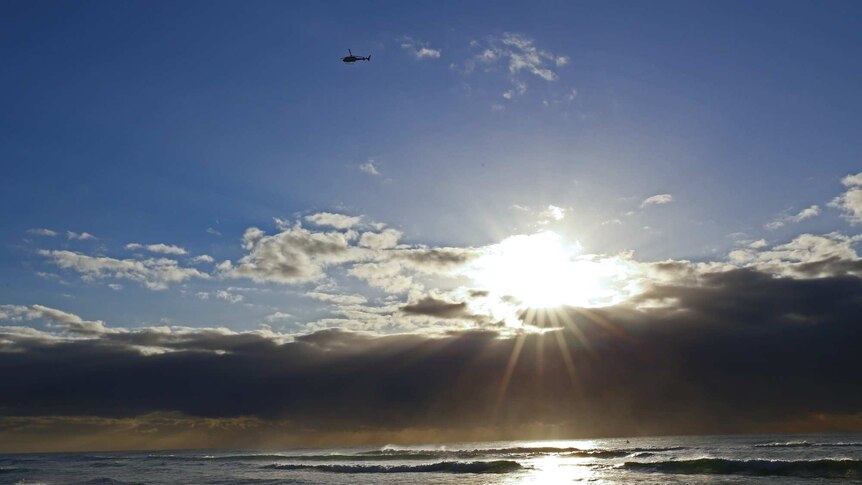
pixel 542 270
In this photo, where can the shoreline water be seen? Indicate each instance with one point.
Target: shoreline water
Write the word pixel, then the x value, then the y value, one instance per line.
pixel 778 458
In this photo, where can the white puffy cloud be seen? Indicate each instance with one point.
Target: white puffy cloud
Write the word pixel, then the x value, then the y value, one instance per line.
pixel 760 243
pixel 294 255
pixel 154 273
pixel 277 317
pixel 850 202
pixel 338 221
pixel 806 256
pixel 203 258
pixel 159 248
pixel 387 275
pixel 369 168
pixel 658 199
pixel 551 213
pixel 388 238
pixel 419 50
pixel 81 236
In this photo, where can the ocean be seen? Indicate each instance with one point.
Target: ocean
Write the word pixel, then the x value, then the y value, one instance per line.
pixel 778 459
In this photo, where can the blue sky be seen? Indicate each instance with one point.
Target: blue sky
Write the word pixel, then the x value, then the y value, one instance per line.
pixel 185 124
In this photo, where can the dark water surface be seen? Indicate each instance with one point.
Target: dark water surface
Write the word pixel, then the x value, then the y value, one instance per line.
pixel 785 459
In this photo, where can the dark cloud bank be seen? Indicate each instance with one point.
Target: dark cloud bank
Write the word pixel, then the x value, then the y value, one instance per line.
pixel 741 351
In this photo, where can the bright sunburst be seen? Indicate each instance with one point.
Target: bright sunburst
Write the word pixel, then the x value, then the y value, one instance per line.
pixel 542 270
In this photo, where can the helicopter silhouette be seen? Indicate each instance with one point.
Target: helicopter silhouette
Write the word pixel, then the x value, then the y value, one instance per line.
pixel 352 58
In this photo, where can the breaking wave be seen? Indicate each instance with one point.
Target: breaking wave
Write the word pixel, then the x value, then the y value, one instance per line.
pixel 520 451
pixel 806 444
pixel 106 481
pixel 394 454
pixel 825 468
pixel 498 466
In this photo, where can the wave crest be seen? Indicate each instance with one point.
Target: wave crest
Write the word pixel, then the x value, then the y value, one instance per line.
pixel 498 466
pixel 806 444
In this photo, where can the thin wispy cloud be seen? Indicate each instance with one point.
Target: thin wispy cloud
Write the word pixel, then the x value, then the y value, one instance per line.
pixel 659 199
pixel 519 55
pixel 804 214
pixel 42 232
pixel 158 248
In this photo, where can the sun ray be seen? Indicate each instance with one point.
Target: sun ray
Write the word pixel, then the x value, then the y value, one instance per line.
pixel 564 350
pixel 510 369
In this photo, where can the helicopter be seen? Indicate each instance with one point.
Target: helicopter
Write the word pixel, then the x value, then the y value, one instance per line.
pixel 352 58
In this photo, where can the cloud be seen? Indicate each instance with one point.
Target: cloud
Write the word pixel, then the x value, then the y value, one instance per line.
pixel 657 200
pixel 386 239
pixel 438 308
pixel 298 255
pixel 338 299
pixel 81 236
pixel 523 55
pixel 212 231
pixel 419 50
pixel 802 215
pixel 203 258
pixel 519 54
pixel 551 213
pixel 760 243
pixel 57 319
pixel 806 256
pixel 519 89
pixel 294 255
pixel 729 353
pixel 387 275
pixel 338 221
pixel 221 295
pixel 154 273
pixel 369 168
pixel 42 232
pixel 159 248
pixel 277 317
pixel 228 296
pixel 850 202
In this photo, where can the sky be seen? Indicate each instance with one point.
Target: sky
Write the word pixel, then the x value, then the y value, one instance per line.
pixel 553 219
